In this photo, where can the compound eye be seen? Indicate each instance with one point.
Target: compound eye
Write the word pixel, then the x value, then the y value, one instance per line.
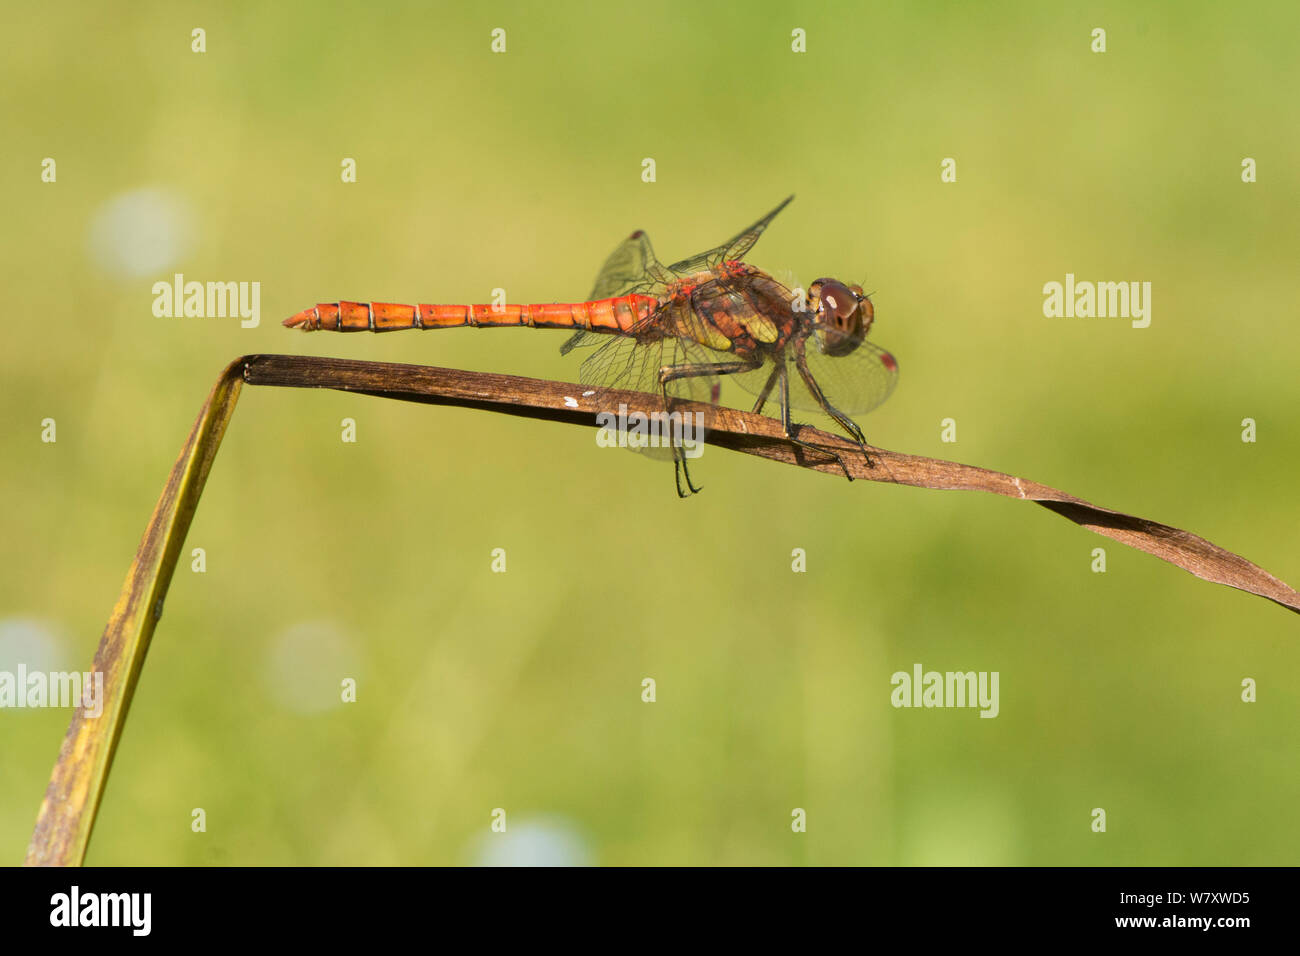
pixel 839 306
pixel 868 311
pixel 838 303
pixel 840 316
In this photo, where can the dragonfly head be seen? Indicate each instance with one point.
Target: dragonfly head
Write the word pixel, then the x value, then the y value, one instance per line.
pixel 843 315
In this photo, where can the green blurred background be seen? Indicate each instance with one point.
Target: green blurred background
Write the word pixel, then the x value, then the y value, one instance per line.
pixel 522 690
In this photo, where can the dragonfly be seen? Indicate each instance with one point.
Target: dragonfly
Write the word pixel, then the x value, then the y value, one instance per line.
pixel 677 331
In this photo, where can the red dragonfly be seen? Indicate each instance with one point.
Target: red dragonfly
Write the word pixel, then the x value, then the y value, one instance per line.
pixel 675 330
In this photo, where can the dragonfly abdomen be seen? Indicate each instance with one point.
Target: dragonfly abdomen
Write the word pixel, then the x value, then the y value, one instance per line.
pixel 616 315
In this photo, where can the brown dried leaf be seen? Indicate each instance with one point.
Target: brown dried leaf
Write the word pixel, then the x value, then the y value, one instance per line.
pixel 67 813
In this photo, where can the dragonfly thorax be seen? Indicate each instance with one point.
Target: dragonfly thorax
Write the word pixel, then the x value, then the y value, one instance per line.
pixel 732 307
pixel 842 315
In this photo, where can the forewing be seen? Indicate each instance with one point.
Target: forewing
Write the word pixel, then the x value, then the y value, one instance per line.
pixel 734 248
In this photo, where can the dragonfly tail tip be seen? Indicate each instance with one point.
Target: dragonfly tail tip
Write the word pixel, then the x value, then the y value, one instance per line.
pixel 300 321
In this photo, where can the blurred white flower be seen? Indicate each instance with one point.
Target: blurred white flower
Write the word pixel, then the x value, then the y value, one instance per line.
pixel 32 643
pixel 548 841
pixel 141 233
pixel 307 664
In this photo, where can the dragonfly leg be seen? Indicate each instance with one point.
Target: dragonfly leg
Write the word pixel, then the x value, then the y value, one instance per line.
pixel 767 390
pixel 801 362
pixel 673 373
pixel 680 467
pixel 848 424
pixel 791 429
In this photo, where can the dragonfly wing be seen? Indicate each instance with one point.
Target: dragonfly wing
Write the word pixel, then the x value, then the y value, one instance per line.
pixel 580 339
pixel 627 268
pixel 632 267
pixel 624 363
pixel 855 383
pixel 734 248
